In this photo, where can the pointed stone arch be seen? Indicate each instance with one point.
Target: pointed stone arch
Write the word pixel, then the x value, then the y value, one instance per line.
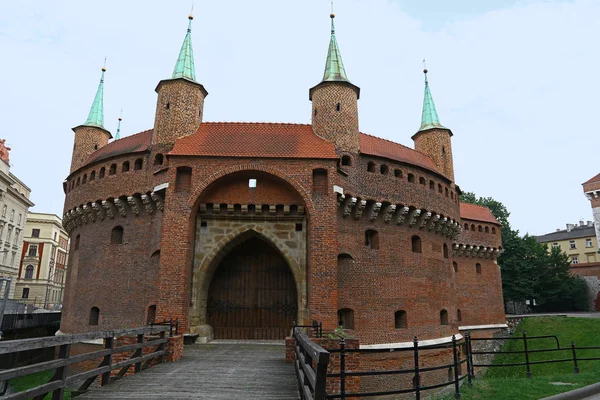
pixel 205 265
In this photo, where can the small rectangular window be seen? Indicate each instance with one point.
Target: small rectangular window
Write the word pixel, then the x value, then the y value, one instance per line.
pixel 32 251
pixel 554 245
pixel 35 233
pixel 588 243
pixel 25 293
pixel 572 244
pixel 252 183
pixel 574 260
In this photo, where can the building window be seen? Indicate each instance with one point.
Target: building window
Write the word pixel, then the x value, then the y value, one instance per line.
pixel 445 250
pixel 588 243
pixel 183 180
pixel 554 245
pixel 139 163
pixel 487 229
pixel 473 227
pixel 125 167
pixel 77 242
pixel 158 159
pixel 574 259
pixel 319 182
pixel 29 272
pixel 384 169
pixel 346 160
pixel 32 250
pixel 572 244
pixel 346 318
pixel 338 107
pixel 455 266
pixel 94 315
pixel 447 193
pixel 116 236
pixel 93 176
pixel 416 244
pixel 493 230
pixel 459 315
pixel 478 268
pixel 25 294
pixel 480 228
pixel 411 178
pixel 443 317
pixel 151 315
pixel 422 181
pixel 440 190
pixel 84 180
pixel 35 233
pixel 113 169
pixel 400 319
pixel 252 183
pixel 466 227
pixel 372 239
pixel 371 166
pixel 102 173
pixel 432 185
pixel 398 173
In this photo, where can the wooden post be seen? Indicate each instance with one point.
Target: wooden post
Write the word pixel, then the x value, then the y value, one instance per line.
pixel 417 379
pixel 526 354
pixel 108 344
pixel 456 361
pixel 61 372
pixel 138 353
pixel 342 369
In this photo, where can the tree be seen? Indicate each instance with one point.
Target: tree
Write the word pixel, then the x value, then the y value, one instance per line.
pixel 529 270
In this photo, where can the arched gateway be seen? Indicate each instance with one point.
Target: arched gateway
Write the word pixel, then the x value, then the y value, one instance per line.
pixel 252 294
pixel 250 251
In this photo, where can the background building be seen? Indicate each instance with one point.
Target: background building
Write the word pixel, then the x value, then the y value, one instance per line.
pixel 42 268
pixel 578 241
pixel 14 204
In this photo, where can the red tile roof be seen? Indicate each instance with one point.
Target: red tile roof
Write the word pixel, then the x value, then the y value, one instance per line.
pixel 477 213
pixel 384 148
pixel 594 179
pixel 129 144
pixel 266 140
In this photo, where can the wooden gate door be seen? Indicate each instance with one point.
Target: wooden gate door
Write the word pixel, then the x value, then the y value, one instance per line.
pixel 252 294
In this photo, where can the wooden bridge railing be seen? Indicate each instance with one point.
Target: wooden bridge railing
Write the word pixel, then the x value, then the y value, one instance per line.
pixel 61 380
pixel 310 363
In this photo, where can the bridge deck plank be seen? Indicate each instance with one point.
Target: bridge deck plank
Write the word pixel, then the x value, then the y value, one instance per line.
pixel 212 372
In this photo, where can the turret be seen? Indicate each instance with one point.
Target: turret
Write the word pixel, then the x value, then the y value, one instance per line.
pixel 434 139
pixel 335 102
pixel 91 136
pixel 180 99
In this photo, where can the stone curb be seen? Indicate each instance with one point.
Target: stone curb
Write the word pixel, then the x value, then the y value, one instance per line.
pixel 577 394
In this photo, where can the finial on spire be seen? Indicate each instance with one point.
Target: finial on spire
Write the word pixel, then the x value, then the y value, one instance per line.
pixel 184 68
pixel 425 71
pixel 96 115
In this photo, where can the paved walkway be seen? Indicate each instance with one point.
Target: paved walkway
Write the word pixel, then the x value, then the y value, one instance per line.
pixel 211 371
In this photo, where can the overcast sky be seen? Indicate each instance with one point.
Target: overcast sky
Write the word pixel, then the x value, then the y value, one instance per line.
pixel 516 81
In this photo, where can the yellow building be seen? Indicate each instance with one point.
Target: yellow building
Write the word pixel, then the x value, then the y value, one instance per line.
pixel 578 241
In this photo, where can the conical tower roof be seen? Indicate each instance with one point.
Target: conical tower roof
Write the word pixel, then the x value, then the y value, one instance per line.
pixel 184 68
pixel 96 116
pixel 429 118
pixel 334 66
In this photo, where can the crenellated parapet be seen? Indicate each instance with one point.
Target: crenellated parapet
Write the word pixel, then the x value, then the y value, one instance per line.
pixel 399 214
pixel 251 210
pixel 134 205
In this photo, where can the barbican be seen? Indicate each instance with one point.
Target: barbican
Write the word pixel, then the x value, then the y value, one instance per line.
pixel 238 230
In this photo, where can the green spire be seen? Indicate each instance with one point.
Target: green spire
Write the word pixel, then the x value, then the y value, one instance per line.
pixel 334 67
pixel 118 134
pixel 185 63
pixel 430 117
pixel 96 116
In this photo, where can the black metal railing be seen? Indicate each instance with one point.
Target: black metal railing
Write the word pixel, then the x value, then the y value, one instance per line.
pixel 172 324
pixel 310 364
pixel 416 371
pixel 317 328
pixel 13 322
pixel 527 362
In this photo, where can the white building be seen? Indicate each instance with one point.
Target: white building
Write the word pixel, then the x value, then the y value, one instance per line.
pixel 43 266
pixel 14 204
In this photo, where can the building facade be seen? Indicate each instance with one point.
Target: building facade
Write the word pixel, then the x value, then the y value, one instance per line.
pixel 591 271
pixel 43 262
pixel 577 240
pixel 239 229
pixel 14 204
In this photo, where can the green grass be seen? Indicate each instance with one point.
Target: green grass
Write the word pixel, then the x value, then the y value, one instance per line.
pixel 30 381
pixel 512 382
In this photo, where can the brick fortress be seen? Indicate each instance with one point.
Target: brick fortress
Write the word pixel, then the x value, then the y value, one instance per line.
pixel 239 229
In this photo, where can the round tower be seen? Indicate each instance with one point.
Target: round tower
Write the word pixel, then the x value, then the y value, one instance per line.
pixel 180 101
pixel 434 139
pixel 335 102
pixel 91 136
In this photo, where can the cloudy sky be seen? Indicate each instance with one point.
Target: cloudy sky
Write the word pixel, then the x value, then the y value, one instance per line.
pixel 516 81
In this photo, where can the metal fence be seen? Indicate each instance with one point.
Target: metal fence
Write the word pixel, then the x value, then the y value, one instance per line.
pixel 13 322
